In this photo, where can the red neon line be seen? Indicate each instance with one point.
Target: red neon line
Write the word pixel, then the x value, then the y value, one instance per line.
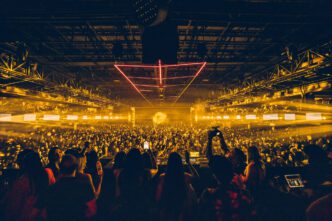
pixel 169 78
pixel 184 90
pixel 180 77
pixel 155 66
pixel 143 78
pixel 183 64
pixel 125 76
pixel 160 77
pixel 147 85
pixel 136 66
pixel 200 70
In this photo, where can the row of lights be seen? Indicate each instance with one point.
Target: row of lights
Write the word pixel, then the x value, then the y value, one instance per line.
pixel 309 116
pixel 55 117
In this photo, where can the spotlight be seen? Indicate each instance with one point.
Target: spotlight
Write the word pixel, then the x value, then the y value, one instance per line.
pixel 270 117
pixel 29 117
pixel 289 116
pixel 72 117
pixel 5 117
pixel 313 116
pixel 251 117
pixel 51 117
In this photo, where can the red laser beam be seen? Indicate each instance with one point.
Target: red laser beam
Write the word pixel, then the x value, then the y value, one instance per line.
pixel 160 74
pixel 134 86
pixel 169 78
pixel 161 79
pixel 162 65
pixel 184 90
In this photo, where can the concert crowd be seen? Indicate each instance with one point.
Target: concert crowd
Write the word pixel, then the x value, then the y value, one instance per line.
pixel 115 172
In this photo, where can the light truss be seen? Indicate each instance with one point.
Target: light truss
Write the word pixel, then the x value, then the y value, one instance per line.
pixel 160 78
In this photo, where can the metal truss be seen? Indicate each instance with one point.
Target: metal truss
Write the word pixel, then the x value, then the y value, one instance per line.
pixel 302 71
pixel 162 75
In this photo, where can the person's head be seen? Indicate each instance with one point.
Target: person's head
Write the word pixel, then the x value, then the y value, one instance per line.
pixel 222 168
pixel 237 156
pixel 253 154
pixel 146 160
pixel 119 160
pixel 81 162
pixel 68 165
pixel 316 154
pixel 86 144
pixel 174 190
pixel 91 161
pixel 134 160
pixel 174 163
pixel 54 155
pixel 34 169
pixel 32 162
pixel 21 156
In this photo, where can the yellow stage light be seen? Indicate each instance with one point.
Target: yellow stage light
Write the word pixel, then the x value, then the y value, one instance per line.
pixel 5 117
pixel 226 117
pixel 72 117
pixel 251 117
pixel 51 117
pixel 29 117
pixel 218 117
pixel 313 116
pixel 238 117
pixel 98 117
pixel 289 116
pixel 106 117
pixel 85 117
pixel 270 117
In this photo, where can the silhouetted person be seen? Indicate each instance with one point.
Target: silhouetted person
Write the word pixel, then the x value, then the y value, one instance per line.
pixel 69 198
pixel 21 202
pixel 175 195
pixel 238 160
pixel 321 209
pixel 132 200
pixel 54 158
pixel 318 166
pixel 226 201
pixel 254 172
pixel 92 162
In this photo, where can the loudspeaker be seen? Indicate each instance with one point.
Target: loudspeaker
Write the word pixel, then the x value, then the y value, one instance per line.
pixel 160 42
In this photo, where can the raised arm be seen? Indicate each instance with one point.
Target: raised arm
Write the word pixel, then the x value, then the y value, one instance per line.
pixel 223 145
pixel 192 169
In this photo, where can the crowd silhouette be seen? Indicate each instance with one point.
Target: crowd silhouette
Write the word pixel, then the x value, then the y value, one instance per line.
pixel 74 185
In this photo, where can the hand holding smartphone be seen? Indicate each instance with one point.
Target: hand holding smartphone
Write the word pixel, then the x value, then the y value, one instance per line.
pixel 146 145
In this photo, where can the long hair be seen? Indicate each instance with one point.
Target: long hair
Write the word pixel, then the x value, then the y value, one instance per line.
pixel 253 155
pixel 119 160
pixel 132 176
pixel 146 161
pixel 53 156
pixel 38 177
pixel 174 190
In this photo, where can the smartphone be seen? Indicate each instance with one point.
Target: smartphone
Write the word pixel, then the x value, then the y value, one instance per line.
pixel 146 145
pixel 294 180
